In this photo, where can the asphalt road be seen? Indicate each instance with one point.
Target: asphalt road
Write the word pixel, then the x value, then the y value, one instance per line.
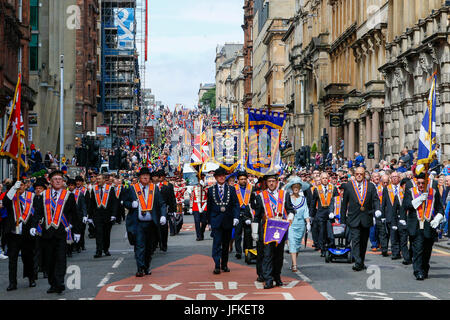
pixel 185 272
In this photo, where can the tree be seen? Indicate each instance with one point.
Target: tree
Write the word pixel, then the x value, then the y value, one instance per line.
pixel 209 98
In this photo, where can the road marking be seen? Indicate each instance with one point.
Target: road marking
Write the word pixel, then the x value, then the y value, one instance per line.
pixel 299 274
pixel 327 295
pixel 105 279
pixel 117 263
pixel 442 252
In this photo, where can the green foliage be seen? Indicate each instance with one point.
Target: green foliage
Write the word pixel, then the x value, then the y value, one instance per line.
pixel 209 98
pixel 314 148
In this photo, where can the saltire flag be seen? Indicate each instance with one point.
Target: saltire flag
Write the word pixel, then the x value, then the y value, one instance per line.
pixel 196 157
pixel 227 146
pixel 15 131
pixel 263 130
pixel 427 134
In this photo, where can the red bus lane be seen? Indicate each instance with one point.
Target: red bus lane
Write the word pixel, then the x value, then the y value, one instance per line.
pixel 191 278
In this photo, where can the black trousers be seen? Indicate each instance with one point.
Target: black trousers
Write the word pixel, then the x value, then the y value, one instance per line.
pixel 359 236
pixel 172 224
pixel 273 261
pixel 54 258
pixel 144 243
pixel 315 231
pixel 221 246
pixel 27 247
pixel 242 232
pixel 421 248
pixel 259 257
pixel 394 236
pixel 81 243
pixel 383 235
pixel 325 238
pixel 102 235
pixel 200 224
pixel 164 230
pixel 403 236
pixel 91 230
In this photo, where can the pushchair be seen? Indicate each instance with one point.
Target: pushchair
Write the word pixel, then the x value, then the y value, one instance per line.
pixel 341 249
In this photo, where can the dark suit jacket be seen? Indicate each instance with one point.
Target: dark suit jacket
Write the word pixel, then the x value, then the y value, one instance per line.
pixel 215 217
pixel 389 210
pixel 70 212
pixel 409 214
pixel 159 208
pixel 9 224
pixel 351 213
pixel 81 206
pixel 120 206
pixel 260 212
pixel 102 214
pixel 246 211
pixel 321 212
pixel 168 195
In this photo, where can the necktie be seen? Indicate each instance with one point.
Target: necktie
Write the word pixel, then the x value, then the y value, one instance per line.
pixel 101 193
pixel 360 188
pixel 54 197
pixel 396 191
pixel 273 202
pixel 221 192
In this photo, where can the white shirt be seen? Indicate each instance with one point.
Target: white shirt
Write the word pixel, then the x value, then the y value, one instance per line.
pixel 148 216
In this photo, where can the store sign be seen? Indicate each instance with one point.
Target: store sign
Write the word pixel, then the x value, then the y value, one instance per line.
pixel 336 120
pixel 32 119
pixel 103 131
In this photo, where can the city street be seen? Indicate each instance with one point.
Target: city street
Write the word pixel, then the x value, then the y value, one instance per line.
pixel 185 272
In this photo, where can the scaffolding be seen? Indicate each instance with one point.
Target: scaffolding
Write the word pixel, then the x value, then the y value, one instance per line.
pixel 120 84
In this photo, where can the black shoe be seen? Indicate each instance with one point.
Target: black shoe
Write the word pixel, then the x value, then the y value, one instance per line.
pixel 11 287
pixel 358 267
pixel 396 257
pixel 216 271
pixel 164 249
pixel 226 269
pixel 278 283
pixel 148 272
pixel 69 255
pixel 316 249
pixel 385 254
pixel 322 254
pixel 172 234
pixel 98 255
pixel 60 290
pixel 107 254
pixel 260 279
pixel 45 275
pixel 139 274
pixel 238 256
pixel 268 285
pixel 407 262
pixel 51 290
pixel 79 250
pixel 420 276
pixel 83 248
pixel 32 283
pixel 198 239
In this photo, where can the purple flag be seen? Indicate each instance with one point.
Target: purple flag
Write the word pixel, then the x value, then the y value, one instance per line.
pixel 274 230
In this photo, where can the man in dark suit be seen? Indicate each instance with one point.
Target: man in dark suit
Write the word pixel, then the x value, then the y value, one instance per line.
pixel 102 212
pixel 268 205
pixel 168 195
pixel 147 211
pixel 359 204
pixel 120 191
pixel 82 189
pixel 58 213
pixel 222 214
pixel 19 205
pixel 322 210
pixel 389 209
pixel 81 211
pixel 422 216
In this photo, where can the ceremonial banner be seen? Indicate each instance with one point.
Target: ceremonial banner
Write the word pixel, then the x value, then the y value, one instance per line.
pixel 274 230
pixel 227 146
pixel 263 130
pixel 427 134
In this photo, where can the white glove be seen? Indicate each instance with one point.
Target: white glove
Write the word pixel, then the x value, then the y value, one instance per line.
pixel 394 228
pixel 255 236
pixel 76 238
pixel 378 213
pixel 85 219
pixel 17 185
pixel 134 204
pixel 13 190
pixel 235 222
pixel 424 196
pixel 121 202
pixel 402 222
pixel 308 227
pixel 291 217
pixel 331 215
pixel 417 202
pixel 248 222
pixel 383 220
pixel 113 218
pixel 436 221
pixel 374 221
pixel 162 221
pixel 33 232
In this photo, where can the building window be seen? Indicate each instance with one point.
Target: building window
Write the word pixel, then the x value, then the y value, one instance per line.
pixel 34 14
pixel 302 137
pixel 34 54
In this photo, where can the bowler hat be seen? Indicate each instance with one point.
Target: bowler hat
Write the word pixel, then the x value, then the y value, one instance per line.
pixel 144 170
pixel 56 173
pixel 220 172
pixel 40 182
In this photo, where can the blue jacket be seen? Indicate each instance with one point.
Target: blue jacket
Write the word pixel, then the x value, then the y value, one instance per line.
pixel 159 208
pixel 217 218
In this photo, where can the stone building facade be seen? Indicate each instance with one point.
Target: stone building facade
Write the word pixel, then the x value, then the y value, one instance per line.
pixel 248 52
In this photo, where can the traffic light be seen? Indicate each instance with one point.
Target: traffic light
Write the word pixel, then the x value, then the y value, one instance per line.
pixel 370 150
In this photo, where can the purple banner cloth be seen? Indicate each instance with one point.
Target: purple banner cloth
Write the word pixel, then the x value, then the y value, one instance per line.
pixel 274 230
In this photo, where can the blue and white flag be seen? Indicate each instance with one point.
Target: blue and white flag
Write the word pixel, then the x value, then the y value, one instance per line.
pixel 427 135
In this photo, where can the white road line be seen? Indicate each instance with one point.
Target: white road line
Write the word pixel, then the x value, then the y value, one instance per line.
pixel 117 263
pixel 299 274
pixel 105 279
pixel 327 295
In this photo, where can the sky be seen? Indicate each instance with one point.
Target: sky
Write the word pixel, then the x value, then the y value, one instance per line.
pixel 183 36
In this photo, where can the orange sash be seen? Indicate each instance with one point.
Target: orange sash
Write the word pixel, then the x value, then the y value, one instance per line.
pixel 281 211
pixel 102 202
pixel 145 205
pixel 28 207
pixel 118 190
pixel 391 193
pixel 327 202
pixel 380 193
pixel 425 210
pixel 248 192
pixel 53 217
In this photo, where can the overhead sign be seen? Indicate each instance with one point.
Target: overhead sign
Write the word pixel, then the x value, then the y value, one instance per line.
pixel 104 131
pixel 336 120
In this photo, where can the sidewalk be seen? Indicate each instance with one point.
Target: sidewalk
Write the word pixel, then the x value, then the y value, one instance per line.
pixel 443 243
